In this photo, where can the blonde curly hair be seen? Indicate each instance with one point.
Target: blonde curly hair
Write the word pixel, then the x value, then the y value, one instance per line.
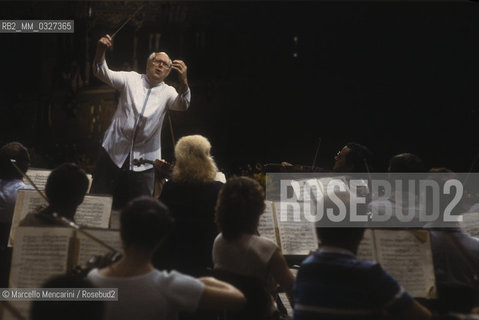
pixel 193 160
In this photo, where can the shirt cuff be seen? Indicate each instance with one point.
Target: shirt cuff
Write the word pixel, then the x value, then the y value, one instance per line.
pixel 187 94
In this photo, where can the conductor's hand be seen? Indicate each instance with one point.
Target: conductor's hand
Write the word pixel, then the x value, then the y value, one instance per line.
pixel 181 68
pixel 104 43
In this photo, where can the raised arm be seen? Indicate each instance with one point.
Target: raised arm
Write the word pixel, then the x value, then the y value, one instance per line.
pixel 181 100
pixel 100 67
pixel 103 44
pixel 181 68
pixel 220 295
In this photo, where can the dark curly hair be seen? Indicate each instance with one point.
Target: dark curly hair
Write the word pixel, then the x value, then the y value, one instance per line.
pixel 240 203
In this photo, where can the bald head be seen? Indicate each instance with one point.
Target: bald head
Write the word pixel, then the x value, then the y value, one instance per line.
pixel 153 55
pixel 158 67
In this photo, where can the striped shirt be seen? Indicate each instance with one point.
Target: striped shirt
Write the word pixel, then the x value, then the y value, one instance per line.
pixel 333 284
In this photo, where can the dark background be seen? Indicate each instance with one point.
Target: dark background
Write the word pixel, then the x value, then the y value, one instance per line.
pixel 397 77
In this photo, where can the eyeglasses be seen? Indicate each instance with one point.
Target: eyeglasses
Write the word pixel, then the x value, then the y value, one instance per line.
pixel 161 63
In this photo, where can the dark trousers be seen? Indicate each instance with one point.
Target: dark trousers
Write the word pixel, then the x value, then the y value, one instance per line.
pixel 122 183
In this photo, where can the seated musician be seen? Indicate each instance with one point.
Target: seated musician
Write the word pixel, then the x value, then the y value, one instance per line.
pixel 10 182
pixel 191 195
pixel 353 157
pixel 65 189
pixel 408 203
pixel 455 255
pixel 333 284
pixel 145 292
pixel 238 249
pixel 64 309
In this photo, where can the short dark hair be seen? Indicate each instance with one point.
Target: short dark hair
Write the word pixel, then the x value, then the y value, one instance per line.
pixel 360 157
pixel 343 237
pixel 67 309
pixel 145 222
pixel 340 237
pixel 66 185
pixel 17 151
pixel 239 206
pixel 406 162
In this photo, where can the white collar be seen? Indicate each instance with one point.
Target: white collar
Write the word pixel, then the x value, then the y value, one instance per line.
pixel 149 83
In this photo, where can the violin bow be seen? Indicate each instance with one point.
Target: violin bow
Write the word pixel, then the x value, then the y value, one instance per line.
pixel 316 154
pixel 470 169
pixel 14 163
pixel 127 20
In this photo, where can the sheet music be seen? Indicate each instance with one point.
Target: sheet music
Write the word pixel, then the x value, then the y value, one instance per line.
pixel 297 237
pixel 366 249
pixel 27 201
pixel 94 211
pixel 470 224
pixel 115 220
pixel 284 299
pixel 39 253
pixel 266 226
pixel 89 247
pixel 408 259
pixel 38 176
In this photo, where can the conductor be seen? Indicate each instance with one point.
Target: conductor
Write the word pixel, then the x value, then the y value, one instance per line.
pixel 135 130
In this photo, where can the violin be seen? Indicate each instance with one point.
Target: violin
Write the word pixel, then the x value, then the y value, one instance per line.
pixel 96 262
pixel 163 169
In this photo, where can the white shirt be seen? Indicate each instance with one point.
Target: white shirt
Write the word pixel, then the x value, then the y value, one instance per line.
pixel 136 124
pixel 248 255
pixel 155 295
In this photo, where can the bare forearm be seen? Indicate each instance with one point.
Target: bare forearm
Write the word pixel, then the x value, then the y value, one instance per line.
pixel 103 43
pixel 221 295
pixel 100 55
pixel 183 87
pixel 181 68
